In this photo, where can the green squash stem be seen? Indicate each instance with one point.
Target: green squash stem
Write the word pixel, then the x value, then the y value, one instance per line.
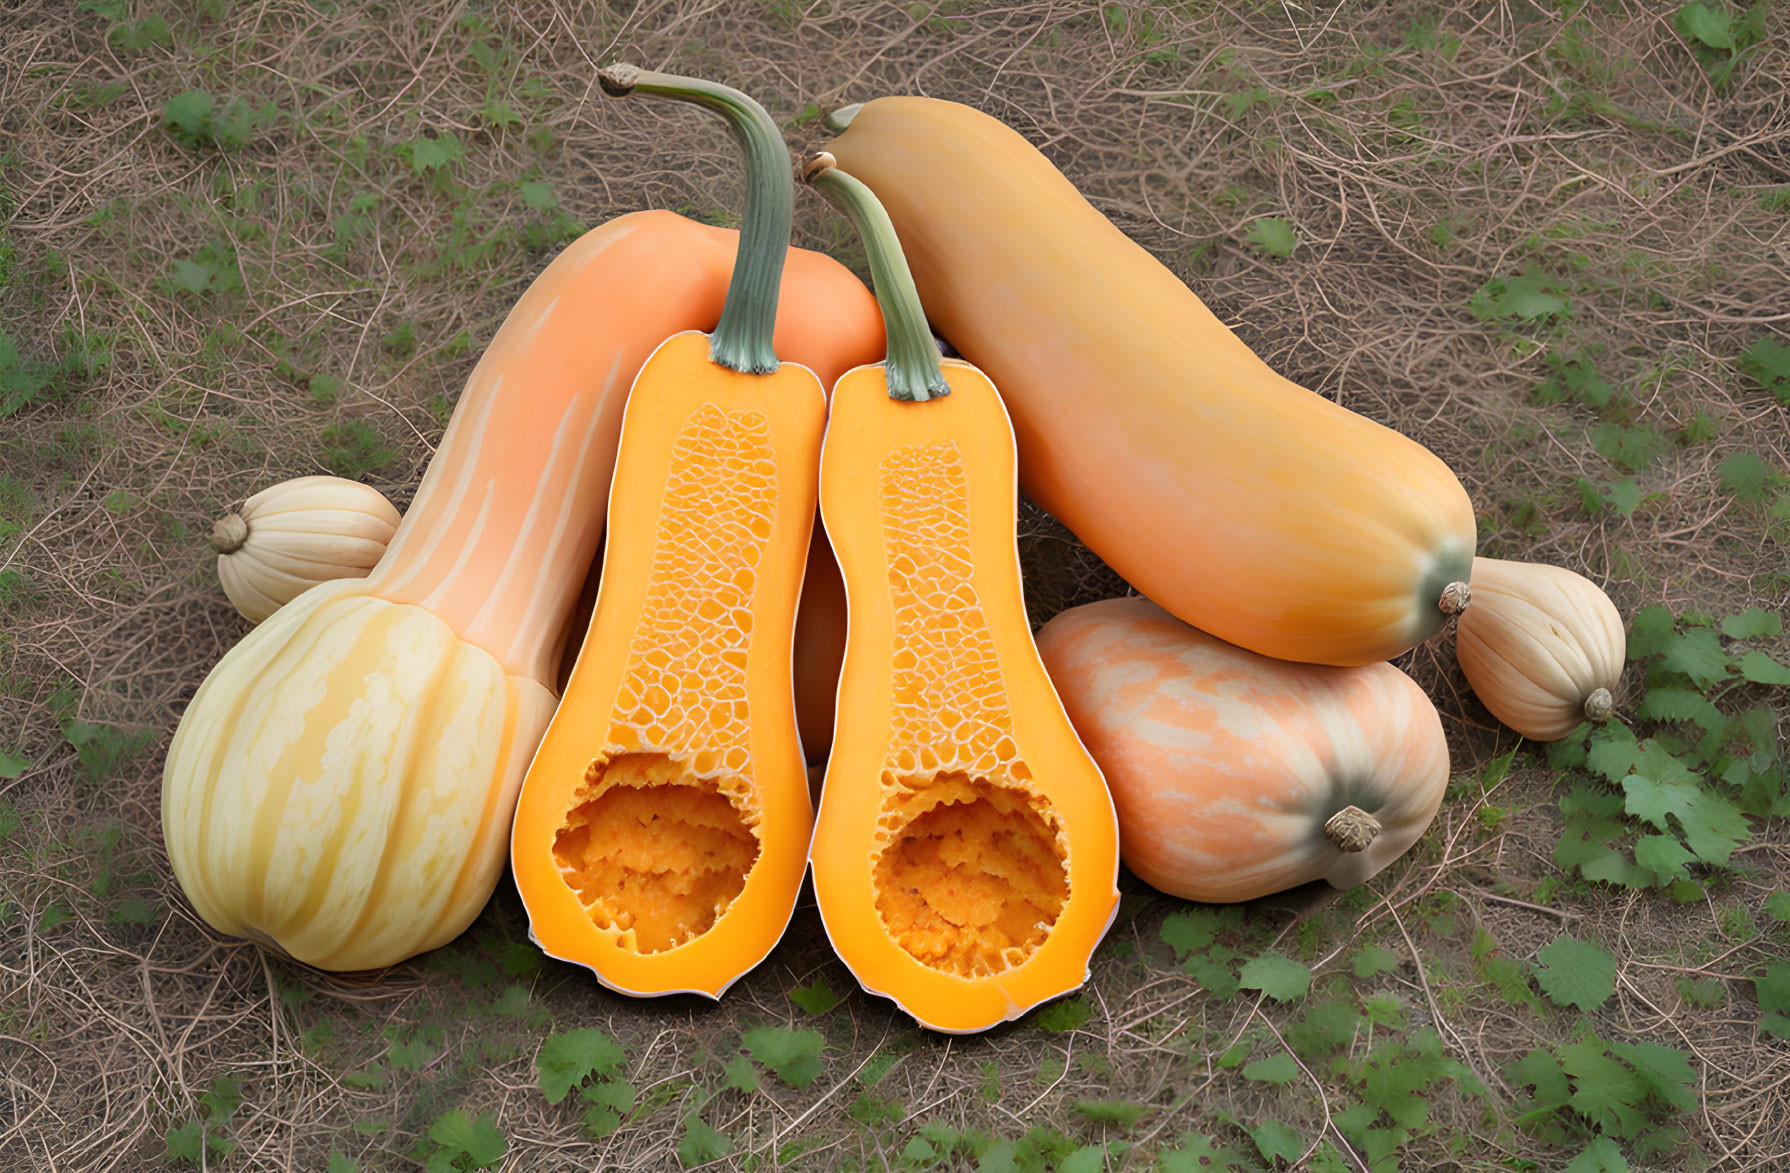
pixel 742 340
pixel 912 367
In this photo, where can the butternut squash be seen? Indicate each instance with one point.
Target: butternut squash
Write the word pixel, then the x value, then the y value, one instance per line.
pixel 291 536
pixel 341 787
pixel 662 833
pixel 1236 775
pixel 965 855
pixel 1244 504
pixel 1544 648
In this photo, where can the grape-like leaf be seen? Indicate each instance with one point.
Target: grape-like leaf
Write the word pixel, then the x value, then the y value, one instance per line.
pixel 1697 654
pixel 567 1060
pixel 817 998
pixel 1762 669
pixel 1602 1155
pixel 1773 988
pixel 1273 236
pixel 1698 22
pixel 701 1144
pixel 459 1135
pixel 1281 978
pixel 1576 973
pixel 1753 623
pixel 794 1056
pixel 1279 1068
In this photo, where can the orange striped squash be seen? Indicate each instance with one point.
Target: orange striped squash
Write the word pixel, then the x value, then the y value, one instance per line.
pixel 1236 775
pixel 341 787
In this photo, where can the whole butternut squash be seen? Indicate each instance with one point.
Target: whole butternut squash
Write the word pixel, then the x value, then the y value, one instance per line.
pixel 1245 504
pixel 341 786
pixel 1236 775
pixel 965 854
pixel 662 832
pixel 1544 648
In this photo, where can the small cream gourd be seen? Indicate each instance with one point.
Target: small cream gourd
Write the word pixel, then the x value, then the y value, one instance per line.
pixel 1541 646
pixel 291 536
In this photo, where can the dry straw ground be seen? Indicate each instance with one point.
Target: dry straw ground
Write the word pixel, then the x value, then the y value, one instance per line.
pixel 1487 203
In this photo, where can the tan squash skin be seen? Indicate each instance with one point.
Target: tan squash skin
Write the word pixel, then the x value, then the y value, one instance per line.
pixel 1543 649
pixel 1243 503
pixel 1236 775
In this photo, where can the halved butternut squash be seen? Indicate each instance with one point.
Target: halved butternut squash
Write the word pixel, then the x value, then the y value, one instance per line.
pixel 661 836
pixel 966 851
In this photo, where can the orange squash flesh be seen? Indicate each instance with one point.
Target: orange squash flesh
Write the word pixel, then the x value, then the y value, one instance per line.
pixel 1244 504
pixel 966 852
pixel 662 831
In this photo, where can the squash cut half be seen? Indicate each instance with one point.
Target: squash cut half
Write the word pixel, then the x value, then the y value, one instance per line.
pixel 661 836
pixel 966 851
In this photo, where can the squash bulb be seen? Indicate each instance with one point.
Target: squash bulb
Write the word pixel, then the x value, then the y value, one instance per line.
pixel 291 536
pixel 341 785
pixel 1542 647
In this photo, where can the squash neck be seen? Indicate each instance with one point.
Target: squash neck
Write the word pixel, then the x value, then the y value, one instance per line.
pixel 912 367
pixel 742 340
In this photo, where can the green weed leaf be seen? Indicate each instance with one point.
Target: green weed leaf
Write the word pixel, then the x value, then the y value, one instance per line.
pixel 1602 1156
pixel 539 195
pixel 1275 1140
pixel 1767 363
pixel 1762 669
pixel 794 1056
pixel 1528 298
pixel 1063 1015
pixel 1120 1114
pixel 1698 655
pixel 567 1060
pixel 428 154
pixel 1777 906
pixel 1200 1153
pixel 740 1075
pixel 609 1100
pixel 817 998
pixel 1281 978
pixel 1630 448
pixel 1273 236
pixel 338 1163
pixel 1370 960
pixel 701 1144
pixel 1745 475
pixel 1276 1069
pixel 185 1143
pixel 1773 988
pixel 465 1143
pixel 1604 1091
pixel 1698 22
pixel 1753 623
pixel 1576 973
pixel 12 764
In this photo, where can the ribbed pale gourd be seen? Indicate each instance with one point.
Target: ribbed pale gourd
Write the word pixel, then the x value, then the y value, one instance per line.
pixel 291 536
pixel 1543 649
